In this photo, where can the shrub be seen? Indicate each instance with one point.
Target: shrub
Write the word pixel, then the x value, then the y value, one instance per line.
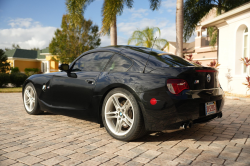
pixel 31 71
pixel 18 78
pixel 4 79
pixel 214 64
pixel 15 70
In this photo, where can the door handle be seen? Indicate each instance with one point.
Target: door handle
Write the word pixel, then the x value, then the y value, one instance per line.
pixel 90 81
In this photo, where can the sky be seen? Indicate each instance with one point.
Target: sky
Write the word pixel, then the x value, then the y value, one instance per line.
pixel 32 23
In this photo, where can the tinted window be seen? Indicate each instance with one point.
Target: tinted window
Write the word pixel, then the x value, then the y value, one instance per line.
pixel 119 63
pixel 174 61
pixel 92 62
pixel 166 58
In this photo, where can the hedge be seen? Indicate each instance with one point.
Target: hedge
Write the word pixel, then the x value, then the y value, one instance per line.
pixel 4 79
pixel 31 71
pixel 15 70
pixel 18 78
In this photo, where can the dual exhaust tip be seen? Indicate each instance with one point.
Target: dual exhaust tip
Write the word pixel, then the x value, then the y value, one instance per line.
pixel 219 115
pixel 190 123
pixel 187 125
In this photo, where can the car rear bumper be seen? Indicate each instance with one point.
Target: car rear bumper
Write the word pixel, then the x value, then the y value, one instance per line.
pixel 171 111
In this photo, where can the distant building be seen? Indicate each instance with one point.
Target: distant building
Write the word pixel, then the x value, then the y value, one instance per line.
pixel 188 48
pixel 41 59
pixel 200 48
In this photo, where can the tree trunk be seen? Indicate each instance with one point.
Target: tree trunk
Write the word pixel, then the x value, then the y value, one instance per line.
pixel 113 33
pixel 179 28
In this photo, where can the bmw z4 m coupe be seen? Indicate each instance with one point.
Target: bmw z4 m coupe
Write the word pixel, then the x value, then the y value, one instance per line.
pixel 128 90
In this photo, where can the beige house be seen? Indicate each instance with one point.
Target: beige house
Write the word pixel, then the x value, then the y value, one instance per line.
pixel 203 52
pixel 41 59
pixel 233 44
pixel 188 48
pixel 200 48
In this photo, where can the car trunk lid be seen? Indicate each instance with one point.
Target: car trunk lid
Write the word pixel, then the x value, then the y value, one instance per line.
pixel 200 77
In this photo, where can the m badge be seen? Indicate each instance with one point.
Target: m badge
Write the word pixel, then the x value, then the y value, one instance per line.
pixel 196 82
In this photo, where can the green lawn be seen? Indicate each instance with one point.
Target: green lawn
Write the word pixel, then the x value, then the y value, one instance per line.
pixel 11 90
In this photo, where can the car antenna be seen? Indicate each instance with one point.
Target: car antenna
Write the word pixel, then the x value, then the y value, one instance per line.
pixel 149 55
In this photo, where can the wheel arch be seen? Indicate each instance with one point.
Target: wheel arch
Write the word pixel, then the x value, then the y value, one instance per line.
pixel 110 88
pixel 25 83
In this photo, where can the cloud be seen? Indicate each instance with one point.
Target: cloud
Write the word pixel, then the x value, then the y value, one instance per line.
pixel 22 22
pixel 137 13
pixel 27 33
pixel 127 28
pixel 169 4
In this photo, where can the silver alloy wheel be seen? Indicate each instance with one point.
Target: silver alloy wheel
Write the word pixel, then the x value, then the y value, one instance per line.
pixel 119 114
pixel 29 98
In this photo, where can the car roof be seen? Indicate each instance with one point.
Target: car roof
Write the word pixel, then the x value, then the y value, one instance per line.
pixel 140 55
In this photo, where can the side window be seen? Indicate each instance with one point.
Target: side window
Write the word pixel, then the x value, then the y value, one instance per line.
pixel 119 63
pixel 92 62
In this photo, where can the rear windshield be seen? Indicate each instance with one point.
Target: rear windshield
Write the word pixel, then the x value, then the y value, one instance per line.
pixel 175 61
pixel 168 59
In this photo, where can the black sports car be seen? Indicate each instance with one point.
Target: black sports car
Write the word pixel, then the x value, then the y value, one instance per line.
pixel 129 90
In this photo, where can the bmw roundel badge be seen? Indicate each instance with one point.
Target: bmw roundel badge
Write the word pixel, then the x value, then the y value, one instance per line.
pixel 208 78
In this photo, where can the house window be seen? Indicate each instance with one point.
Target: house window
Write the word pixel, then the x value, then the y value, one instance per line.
pixel 245 47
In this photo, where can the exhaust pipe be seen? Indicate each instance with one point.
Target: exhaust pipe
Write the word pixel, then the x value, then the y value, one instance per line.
pixel 187 125
pixel 190 124
pixel 219 115
pixel 184 126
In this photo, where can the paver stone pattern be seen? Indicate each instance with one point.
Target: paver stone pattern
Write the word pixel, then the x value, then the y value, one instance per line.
pixel 50 139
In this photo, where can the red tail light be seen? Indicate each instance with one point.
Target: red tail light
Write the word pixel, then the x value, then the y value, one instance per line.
pixel 176 86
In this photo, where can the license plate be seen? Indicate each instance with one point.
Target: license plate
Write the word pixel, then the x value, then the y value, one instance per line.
pixel 210 108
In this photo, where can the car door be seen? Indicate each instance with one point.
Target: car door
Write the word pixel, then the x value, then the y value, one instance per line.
pixel 74 90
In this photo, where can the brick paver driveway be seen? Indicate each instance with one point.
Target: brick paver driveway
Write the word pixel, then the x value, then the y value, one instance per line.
pixel 60 140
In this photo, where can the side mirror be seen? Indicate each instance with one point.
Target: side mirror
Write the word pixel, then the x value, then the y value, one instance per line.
pixel 64 67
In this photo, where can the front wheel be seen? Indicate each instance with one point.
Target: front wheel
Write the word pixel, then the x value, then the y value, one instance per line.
pixel 121 115
pixel 30 100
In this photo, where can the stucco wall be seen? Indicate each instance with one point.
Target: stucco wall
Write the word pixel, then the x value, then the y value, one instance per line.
pixel 206 55
pixel 53 64
pixel 230 51
pixel 27 64
pixel 171 49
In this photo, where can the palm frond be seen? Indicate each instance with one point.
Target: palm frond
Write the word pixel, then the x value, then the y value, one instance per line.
pixel 146 38
pixel 155 4
pixel 76 9
pixel 129 3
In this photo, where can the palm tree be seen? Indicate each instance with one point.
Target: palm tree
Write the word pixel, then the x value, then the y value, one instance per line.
pixel 147 38
pixel 110 10
pixel 179 28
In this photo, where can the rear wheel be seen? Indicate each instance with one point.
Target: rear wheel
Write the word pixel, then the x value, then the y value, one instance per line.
pixel 121 115
pixel 30 100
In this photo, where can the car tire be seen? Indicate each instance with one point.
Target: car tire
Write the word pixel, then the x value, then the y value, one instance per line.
pixel 30 100
pixel 121 115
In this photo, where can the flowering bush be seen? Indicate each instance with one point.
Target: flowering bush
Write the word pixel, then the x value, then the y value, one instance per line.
pixel 246 62
pixel 214 64
pixel 190 58
pixel 248 83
